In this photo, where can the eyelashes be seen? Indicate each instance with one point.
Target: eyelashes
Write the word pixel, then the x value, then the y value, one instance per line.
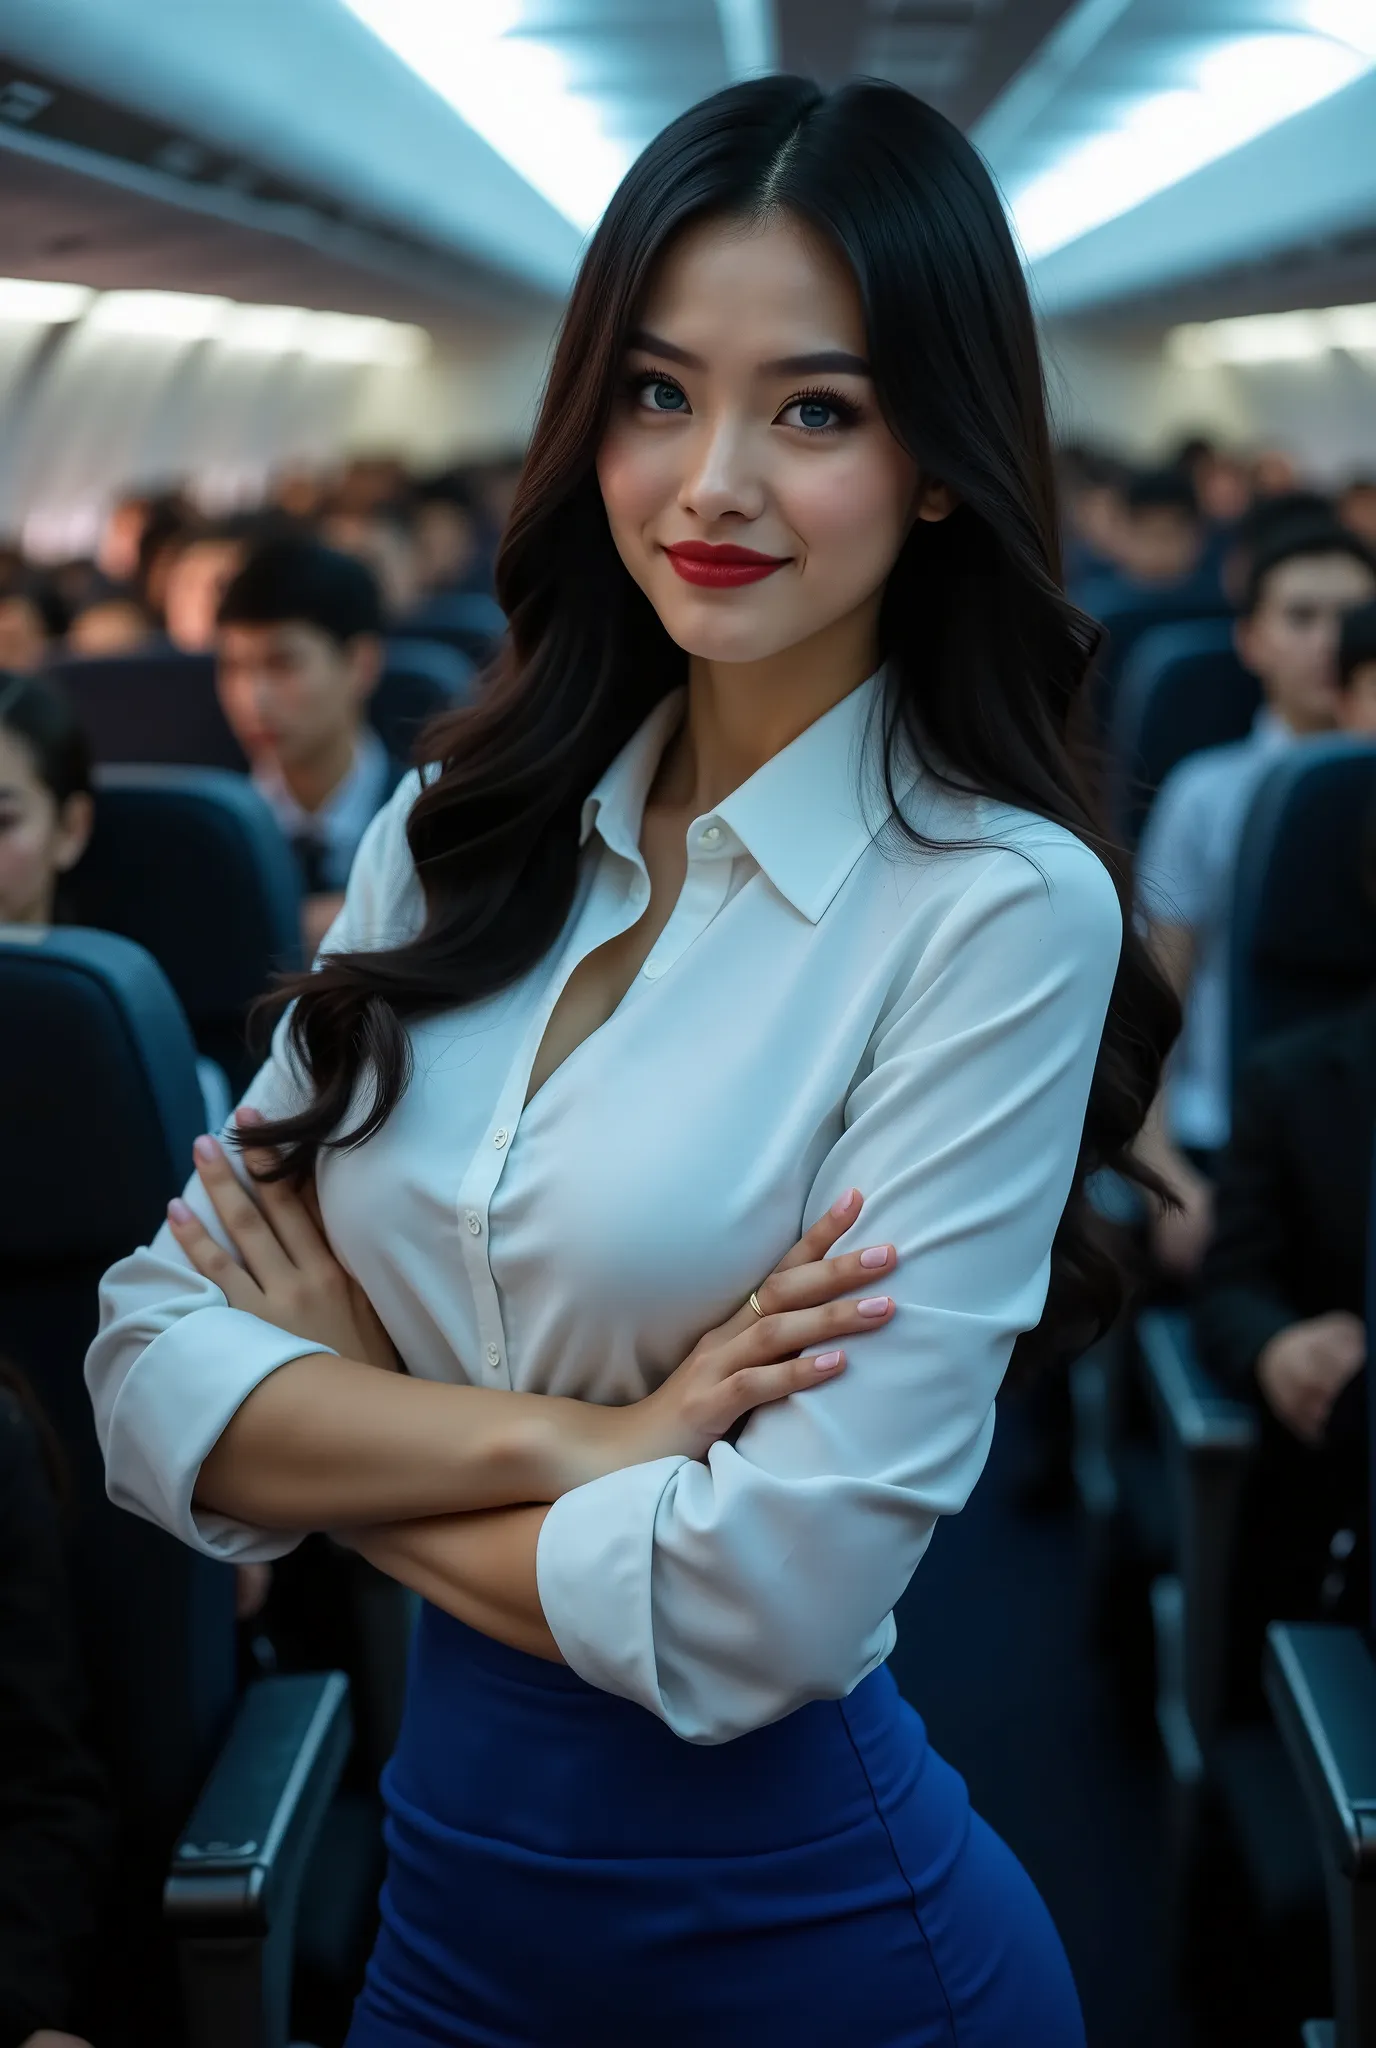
pixel 846 410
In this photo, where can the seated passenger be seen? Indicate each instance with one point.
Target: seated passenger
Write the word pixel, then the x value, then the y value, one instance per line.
pixel 450 555
pixel 33 620
pixel 202 568
pixel 1357 508
pixel 1357 671
pixel 55 1819
pixel 299 654
pixel 383 538
pixel 46 807
pixel 1279 1319
pixel 1287 634
pixel 114 624
pixel 1162 536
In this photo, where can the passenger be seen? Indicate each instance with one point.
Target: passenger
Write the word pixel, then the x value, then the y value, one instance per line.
pixel 1091 490
pixel 203 565
pixel 1357 671
pixel 299 653
pixel 33 621
pixel 56 1824
pixel 1280 1320
pixel 1301 587
pixel 633 992
pixel 1357 508
pixel 170 517
pixel 1162 537
pixel 46 806
pixel 449 551
pixel 383 538
pixel 1266 521
pixel 117 624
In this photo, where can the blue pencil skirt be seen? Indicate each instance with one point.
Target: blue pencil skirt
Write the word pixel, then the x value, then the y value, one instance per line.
pixel 563 1872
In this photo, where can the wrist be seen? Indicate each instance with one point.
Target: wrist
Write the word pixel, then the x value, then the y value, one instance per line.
pixel 561 1443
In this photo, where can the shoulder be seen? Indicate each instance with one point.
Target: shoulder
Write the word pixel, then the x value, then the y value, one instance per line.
pixel 1007 871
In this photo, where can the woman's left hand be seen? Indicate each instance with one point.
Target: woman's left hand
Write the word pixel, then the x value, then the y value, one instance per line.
pixel 289 1275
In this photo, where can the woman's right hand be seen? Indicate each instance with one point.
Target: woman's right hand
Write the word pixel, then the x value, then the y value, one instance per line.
pixel 750 1360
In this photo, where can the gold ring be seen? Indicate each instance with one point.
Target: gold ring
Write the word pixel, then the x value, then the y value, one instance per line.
pixel 754 1303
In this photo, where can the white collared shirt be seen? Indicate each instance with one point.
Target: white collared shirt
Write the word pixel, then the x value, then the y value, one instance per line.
pixel 341 821
pixel 823 1009
pixel 1185 866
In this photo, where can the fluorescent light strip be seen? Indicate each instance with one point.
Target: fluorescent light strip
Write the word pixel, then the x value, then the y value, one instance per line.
pixel 1274 337
pixel 514 90
pixel 185 317
pixel 1233 92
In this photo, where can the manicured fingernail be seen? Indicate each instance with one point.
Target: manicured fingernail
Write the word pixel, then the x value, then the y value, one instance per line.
pixel 205 1148
pixel 844 1204
pixel 245 1115
pixel 875 1305
pixel 178 1210
pixel 827 1361
pixel 876 1255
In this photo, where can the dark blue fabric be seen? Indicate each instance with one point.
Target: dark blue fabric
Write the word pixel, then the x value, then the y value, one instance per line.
pixel 562 1869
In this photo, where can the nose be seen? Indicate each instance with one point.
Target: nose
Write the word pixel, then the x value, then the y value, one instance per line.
pixel 723 478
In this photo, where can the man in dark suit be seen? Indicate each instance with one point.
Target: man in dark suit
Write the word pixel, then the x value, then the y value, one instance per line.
pixel 1280 1318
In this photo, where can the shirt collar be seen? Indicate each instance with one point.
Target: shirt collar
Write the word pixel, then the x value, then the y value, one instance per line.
pixel 805 816
pixel 347 809
pixel 1269 729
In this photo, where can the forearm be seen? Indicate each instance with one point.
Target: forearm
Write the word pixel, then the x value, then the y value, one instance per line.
pixel 478 1567
pixel 325 1442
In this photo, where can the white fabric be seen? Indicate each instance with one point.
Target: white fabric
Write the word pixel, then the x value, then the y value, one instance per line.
pixel 341 821
pixel 1185 869
pixel 822 1010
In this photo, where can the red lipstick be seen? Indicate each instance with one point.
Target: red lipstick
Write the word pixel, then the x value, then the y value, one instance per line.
pixel 721 567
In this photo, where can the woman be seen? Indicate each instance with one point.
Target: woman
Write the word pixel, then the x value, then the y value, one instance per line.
pixel 702 922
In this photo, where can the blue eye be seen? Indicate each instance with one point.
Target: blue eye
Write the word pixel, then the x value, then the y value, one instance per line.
pixel 657 394
pixel 814 412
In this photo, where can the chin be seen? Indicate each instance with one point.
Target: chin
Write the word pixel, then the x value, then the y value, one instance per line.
pixel 709 632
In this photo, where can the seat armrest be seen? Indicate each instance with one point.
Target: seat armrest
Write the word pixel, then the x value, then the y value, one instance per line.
pixel 1199 1416
pixel 1208 1437
pixel 232 1891
pixel 1321 1683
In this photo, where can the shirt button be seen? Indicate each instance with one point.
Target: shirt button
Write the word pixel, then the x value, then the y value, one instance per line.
pixel 474 1222
pixel 711 835
pixel 494 1356
pixel 652 970
pixel 499 1138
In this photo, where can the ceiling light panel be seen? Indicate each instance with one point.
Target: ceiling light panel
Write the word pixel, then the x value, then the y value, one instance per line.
pixel 35 302
pixel 1274 337
pixel 1125 100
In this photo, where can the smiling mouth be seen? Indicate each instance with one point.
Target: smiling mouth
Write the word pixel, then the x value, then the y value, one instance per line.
pixel 722 567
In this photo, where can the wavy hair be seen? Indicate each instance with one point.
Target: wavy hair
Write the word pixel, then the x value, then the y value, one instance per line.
pixel 986 660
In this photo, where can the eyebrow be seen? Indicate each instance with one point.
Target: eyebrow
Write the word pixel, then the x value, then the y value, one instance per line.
pixel 821 362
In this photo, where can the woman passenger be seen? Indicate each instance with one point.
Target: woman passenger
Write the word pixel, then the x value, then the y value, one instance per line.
pixel 699 1088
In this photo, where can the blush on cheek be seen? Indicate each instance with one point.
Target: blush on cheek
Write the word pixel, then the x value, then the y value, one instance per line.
pixel 853 517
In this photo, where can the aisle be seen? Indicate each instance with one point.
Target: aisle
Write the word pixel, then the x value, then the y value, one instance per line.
pixel 993 1653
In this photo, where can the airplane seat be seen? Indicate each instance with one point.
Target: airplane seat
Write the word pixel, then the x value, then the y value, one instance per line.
pixel 1321 1686
pixel 1303 942
pixel 1303 932
pixel 191 864
pixel 218 1799
pixel 420 679
pixel 156 707
pixel 468 620
pixel 1182 688
pixel 1126 615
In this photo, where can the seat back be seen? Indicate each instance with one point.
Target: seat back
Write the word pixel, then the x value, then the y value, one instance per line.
pixel 191 864
pixel 468 620
pixel 1127 616
pixel 420 678
pixel 157 707
pixel 1183 688
pixel 1303 928
pixel 99 1105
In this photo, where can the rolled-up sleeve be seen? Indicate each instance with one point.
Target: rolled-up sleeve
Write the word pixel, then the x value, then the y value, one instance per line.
pixel 172 1361
pixel 723 1594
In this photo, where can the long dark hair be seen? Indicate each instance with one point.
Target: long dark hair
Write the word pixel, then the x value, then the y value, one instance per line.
pixel 986 659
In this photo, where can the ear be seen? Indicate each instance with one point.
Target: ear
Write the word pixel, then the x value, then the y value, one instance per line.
pixel 74 825
pixel 934 501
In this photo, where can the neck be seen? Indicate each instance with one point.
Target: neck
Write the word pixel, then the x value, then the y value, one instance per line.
pixel 741 713
pixel 315 781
